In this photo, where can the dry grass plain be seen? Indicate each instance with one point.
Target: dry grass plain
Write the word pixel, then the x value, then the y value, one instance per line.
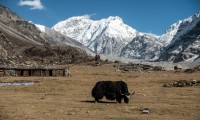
pixel 63 98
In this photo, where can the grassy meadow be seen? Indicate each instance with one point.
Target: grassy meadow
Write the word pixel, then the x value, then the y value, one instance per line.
pixel 63 98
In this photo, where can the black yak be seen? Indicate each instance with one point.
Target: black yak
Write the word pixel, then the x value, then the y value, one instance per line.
pixel 112 90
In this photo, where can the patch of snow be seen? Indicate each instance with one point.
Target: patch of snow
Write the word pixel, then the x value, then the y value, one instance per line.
pixel 41 27
pixel 15 83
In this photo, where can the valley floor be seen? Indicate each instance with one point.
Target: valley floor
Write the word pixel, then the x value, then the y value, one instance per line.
pixel 62 98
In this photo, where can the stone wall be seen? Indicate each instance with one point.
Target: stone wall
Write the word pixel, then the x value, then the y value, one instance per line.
pixel 3 53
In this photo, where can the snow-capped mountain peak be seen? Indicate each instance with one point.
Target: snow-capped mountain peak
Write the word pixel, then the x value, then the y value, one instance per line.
pixel 108 35
pixel 182 40
pixel 112 37
pixel 179 28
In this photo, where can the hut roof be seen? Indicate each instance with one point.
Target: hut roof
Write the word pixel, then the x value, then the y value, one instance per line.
pixel 32 67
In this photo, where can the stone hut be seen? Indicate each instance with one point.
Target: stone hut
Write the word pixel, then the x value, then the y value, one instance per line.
pixel 36 71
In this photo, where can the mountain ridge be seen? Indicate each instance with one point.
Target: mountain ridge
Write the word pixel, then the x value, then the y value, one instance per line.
pixel 112 41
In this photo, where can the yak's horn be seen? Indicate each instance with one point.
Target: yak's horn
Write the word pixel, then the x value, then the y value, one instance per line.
pixel 121 93
pixel 133 93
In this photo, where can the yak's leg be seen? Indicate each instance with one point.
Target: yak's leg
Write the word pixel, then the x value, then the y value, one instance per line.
pixel 96 100
pixel 119 99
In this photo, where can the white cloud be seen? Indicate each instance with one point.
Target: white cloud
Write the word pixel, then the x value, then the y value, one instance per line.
pixel 35 4
pixel 89 15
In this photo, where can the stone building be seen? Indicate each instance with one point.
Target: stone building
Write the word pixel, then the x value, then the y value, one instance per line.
pixel 38 71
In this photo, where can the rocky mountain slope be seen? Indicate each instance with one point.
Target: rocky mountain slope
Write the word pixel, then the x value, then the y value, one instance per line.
pixel 30 31
pixel 63 39
pixel 144 46
pixel 22 43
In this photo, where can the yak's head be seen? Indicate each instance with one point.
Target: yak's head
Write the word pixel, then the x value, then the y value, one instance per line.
pixel 127 96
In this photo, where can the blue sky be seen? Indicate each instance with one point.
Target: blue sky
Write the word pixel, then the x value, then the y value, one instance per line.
pixel 153 16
